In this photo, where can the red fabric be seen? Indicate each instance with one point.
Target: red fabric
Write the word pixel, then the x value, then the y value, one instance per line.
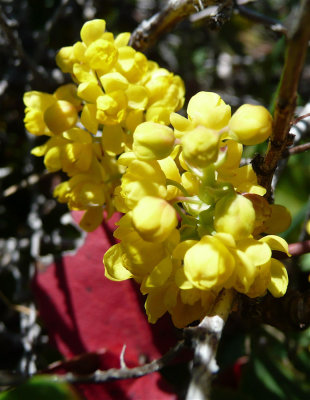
pixel 85 312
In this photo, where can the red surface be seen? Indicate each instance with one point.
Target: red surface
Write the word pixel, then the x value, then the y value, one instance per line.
pixel 85 312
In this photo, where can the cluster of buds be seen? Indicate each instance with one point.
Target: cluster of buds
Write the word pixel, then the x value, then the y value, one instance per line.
pixel 194 221
pixel 91 121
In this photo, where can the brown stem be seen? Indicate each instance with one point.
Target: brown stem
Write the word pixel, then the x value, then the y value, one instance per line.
pixel 295 250
pixel 299 248
pixel 175 11
pixel 297 149
pixel 268 22
pixel 110 374
pixel 297 45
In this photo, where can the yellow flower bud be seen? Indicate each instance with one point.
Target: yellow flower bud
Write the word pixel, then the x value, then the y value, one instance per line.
pixel 65 59
pixel 200 146
pixel 152 141
pixel 113 263
pixel 130 63
pixel 137 97
pixel 60 116
pixel 91 219
pixel 111 108
pixel 270 218
pixel 154 219
pixel 68 92
pixel 88 118
pixel 101 55
pixel 250 124
pixel 279 279
pixel 92 30
pixel 89 91
pixel 36 103
pixel 143 178
pixel 234 214
pixel 191 183
pixel 180 124
pixel 308 227
pixel 208 109
pixel 113 81
pixel 208 264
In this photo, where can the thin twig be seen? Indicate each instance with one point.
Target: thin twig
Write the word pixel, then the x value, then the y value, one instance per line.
pixel 113 373
pixel 299 248
pixel 214 17
pixel 123 373
pixel 297 46
pixel 297 149
pixel 299 130
pixel 300 118
pixel 175 11
pixel 205 339
pixel 268 22
pixel 295 249
pixel 122 358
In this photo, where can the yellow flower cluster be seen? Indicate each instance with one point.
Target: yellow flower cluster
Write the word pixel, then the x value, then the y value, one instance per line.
pixel 91 121
pixel 195 221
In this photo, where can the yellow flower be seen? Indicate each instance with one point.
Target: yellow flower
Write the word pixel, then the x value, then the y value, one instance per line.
pixel 142 178
pixel 89 91
pixel 65 59
pixel 250 124
pixel 47 114
pixel 113 262
pixel 209 110
pixel 200 146
pixel 111 108
pixel 252 261
pixel 72 151
pixel 244 178
pixel 171 171
pixel 154 219
pixel 60 116
pixel 36 103
pixel 139 256
pixel 152 141
pixel 101 55
pixel 234 214
pixel 308 227
pixel 131 64
pixel 92 30
pixel 165 89
pixel 208 264
pixel 270 218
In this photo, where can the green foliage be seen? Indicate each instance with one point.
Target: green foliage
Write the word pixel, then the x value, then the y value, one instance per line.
pixel 41 387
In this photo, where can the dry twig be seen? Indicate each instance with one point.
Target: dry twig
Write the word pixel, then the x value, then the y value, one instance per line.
pixel 205 339
pixel 298 37
pixel 268 22
pixel 175 11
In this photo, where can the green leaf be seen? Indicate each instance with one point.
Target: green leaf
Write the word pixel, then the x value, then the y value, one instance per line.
pixel 39 388
pixel 267 379
pixel 304 261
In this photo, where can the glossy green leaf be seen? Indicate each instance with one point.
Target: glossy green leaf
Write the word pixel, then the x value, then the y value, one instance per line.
pixel 41 388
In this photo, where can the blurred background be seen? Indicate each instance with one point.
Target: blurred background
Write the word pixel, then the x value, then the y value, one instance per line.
pixel 242 61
